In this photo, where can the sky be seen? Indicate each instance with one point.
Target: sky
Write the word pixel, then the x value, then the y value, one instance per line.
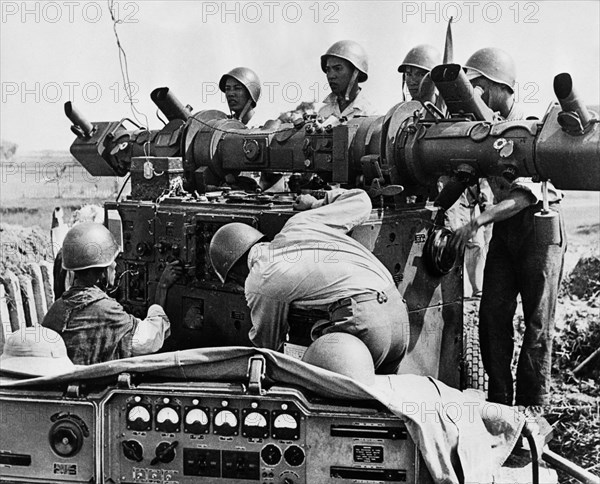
pixel 53 52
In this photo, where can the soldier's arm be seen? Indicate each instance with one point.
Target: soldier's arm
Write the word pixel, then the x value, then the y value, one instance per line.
pixel 517 200
pixel 269 321
pixel 340 209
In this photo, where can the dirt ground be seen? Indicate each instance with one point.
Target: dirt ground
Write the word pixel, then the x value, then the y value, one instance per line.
pixel 575 409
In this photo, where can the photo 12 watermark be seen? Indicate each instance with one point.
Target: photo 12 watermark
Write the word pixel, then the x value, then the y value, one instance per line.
pixel 59 92
pixel 270 12
pixel 470 11
pixel 67 12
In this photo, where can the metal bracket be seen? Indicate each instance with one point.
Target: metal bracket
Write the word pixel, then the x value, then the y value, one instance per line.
pixel 73 391
pixel 256 374
pixel 124 381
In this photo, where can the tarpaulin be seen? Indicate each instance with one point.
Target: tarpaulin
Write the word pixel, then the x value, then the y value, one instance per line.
pixel 462 438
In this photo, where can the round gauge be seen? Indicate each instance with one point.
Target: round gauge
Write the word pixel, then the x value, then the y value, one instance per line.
pixel 226 423
pixel 196 421
pixel 138 418
pixel 167 419
pixel 255 425
pixel 271 455
pixel 294 455
pixel 285 426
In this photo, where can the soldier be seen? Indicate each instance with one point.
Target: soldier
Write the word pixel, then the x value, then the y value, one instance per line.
pixel 494 72
pixel 345 64
pixel 94 326
pixel 416 65
pixel 242 91
pixel 313 264
pixel 517 263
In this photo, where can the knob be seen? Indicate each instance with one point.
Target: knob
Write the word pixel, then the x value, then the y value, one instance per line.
pixel 142 249
pixel 165 452
pixel 133 450
pixel 66 437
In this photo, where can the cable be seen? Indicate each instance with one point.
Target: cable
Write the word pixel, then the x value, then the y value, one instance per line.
pixel 125 75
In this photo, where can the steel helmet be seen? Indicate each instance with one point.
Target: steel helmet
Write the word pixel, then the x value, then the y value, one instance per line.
pixel 422 56
pixel 342 353
pixel 229 244
pixel 245 76
pixel 353 53
pixel 494 64
pixel 87 245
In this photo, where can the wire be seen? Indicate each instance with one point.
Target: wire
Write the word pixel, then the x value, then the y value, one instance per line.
pixel 125 75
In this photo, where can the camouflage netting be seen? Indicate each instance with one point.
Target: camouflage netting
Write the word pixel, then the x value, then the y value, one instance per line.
pixel 22 245
pixel 575 397
pixel 584 280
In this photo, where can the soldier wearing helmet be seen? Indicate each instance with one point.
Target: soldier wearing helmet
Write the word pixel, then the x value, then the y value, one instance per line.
pixel 94 326
pixel 346 65
pixel 313 264
pixel 416 65
pixel 242 89
pixel 494 72
pixel 518 262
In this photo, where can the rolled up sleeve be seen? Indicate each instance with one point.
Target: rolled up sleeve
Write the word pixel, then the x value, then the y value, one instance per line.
pixel 150 334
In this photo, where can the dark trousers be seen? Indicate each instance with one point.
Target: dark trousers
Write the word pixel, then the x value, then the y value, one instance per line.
pixel 517 264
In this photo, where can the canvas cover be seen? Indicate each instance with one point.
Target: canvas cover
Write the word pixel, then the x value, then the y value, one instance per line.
pixel 462 437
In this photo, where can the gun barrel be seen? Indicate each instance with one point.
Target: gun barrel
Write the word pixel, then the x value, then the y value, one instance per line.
pixel 78 119
pixel 568 99
pixel 169 105
pixel 458 93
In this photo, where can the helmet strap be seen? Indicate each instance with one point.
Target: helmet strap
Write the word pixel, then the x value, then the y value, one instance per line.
pixel 243 112
pixel 351 85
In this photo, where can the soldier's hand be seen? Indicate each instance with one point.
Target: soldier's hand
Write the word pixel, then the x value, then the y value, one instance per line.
pixel 171 273
pixel 304 202
pixel 462 236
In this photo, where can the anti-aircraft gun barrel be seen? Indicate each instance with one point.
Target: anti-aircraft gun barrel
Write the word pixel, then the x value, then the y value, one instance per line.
pixel 575 117
pixel 81 126
pixel 169 105
pixel 458 93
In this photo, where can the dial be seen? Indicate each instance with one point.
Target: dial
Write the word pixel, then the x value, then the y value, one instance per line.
pixel 196 421
pixel 138 418
pixel 294 455
pixel 255 424
pixel 167 419
pixel 286 426
pixel 271 455
pixel 226 422
pixel 66 437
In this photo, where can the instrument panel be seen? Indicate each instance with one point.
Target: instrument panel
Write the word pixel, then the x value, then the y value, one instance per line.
pixel 154 434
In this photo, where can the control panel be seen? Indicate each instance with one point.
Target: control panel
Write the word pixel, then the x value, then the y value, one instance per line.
pixel 219 433
pixel 48 439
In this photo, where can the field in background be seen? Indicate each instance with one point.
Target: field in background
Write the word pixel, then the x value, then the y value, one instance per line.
pixel 33 184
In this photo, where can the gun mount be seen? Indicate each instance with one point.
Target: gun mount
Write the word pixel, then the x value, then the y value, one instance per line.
pixel 190 177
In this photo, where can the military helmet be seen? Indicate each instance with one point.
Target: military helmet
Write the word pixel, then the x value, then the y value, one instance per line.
pixel 353 53
pixel 88 245
pixel 342 353
pixel 229 244
pixel 245 76
pixel 423 56
pixel 494 64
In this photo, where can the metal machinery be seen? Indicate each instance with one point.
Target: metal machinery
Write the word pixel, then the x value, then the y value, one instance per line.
pixel 188 179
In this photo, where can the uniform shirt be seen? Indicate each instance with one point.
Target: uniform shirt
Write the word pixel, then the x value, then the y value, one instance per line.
pixel 359 106
pixel 96 328
pixel 311 263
